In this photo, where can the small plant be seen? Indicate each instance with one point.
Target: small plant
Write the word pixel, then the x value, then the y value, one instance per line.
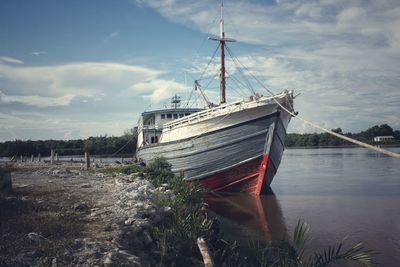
pixel 160 172
pixel 132 168
pixel 291 253
pixel 176 237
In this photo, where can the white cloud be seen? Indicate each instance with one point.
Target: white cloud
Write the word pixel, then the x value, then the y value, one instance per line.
pixel 158 90
pixel 77 99
pixel 38 101
pixel 343 56
pixel 39 126
pixel 38 53
pixel 11 60
pixel 85 79
pixel 110 37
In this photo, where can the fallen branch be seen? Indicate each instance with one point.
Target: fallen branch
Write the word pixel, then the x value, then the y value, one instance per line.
pixel 208 261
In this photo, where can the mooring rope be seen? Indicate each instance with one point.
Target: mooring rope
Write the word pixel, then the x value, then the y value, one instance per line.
pixel 354 141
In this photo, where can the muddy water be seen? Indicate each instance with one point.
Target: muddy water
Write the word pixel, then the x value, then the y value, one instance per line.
pixel 337 192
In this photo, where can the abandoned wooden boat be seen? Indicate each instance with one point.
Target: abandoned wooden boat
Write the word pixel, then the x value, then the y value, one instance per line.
pixel 235 147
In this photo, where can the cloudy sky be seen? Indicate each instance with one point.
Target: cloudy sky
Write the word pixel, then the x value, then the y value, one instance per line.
pixel 73 69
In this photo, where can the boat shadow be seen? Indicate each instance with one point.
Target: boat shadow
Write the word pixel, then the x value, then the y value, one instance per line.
pixel 246 217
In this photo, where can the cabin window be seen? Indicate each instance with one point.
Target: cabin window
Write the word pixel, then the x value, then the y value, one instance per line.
pixel 181 115
pixel 156 139
pixel 187 114
pixel 152 139
pixel 162 116
pixel 175 116
pixel 169 116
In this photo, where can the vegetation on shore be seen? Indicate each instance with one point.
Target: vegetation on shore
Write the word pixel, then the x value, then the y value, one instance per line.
pixel 102 145
pixel 176 237
pixel 327 140
pixel 109 145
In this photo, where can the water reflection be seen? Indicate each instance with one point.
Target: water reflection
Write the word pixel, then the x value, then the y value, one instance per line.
pixel 249 217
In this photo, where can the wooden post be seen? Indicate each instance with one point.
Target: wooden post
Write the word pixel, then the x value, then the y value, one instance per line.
pixel 87 160
pixel 57 157
pixel 32 158
pixel 38 157
pixel 208 261
pixel 5 181
pixel 22 159
pixel 52 156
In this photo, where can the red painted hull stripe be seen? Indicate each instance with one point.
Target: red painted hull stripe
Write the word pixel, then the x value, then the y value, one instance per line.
pixel 261 175
pixel 236 182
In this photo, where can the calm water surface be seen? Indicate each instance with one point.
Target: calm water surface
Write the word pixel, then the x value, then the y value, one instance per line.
pixel 339 192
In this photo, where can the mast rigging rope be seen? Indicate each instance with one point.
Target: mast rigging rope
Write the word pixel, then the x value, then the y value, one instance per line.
pixel 343 137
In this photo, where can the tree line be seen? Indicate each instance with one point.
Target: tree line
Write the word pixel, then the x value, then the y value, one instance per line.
pixel 325 139
pixel 126 144
pixel 102 145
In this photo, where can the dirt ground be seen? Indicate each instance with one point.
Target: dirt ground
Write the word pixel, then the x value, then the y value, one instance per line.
pixel 61 215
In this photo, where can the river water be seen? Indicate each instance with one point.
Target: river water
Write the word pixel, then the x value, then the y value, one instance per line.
pixel 338 192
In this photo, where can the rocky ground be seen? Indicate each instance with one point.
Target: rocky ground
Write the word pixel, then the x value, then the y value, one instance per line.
pixel 62 215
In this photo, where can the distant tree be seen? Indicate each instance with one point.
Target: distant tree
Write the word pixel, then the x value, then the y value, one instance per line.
pixel 396 135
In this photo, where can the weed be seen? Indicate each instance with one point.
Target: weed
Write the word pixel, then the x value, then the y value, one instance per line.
pixel 132 168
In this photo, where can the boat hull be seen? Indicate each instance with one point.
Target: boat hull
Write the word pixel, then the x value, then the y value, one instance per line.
pixel 239 158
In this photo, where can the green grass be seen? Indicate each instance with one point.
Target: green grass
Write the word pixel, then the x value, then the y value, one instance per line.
pixel 128 169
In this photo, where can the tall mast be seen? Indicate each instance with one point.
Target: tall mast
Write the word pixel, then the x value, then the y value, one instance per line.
pixel 222 86
pixel 221 38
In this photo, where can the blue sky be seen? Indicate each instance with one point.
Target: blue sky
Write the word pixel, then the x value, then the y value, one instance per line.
pixel 73 69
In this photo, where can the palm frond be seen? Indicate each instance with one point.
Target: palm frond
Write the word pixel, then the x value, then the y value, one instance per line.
pixel 334 253
pixel 300 238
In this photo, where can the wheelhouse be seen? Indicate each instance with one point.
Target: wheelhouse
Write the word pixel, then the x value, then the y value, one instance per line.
pixel 151 123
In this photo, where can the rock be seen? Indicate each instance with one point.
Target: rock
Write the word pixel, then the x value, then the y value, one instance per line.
pixel 78 243
pixel 166 209
pixel 100 212
pixel 35 237
pixel 81 207
pixel 139 205
pixel 129 221
pixel 146 188
pixel 108 261
pixel 108 228
pixel 54 262
pixel 100 175
pixel 169 193
pixel 86 186
pixel 143 223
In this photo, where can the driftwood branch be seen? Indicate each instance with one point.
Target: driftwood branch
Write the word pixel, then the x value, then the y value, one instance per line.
pixel 208 261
